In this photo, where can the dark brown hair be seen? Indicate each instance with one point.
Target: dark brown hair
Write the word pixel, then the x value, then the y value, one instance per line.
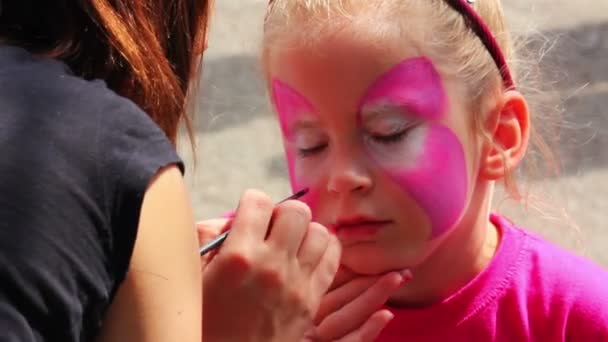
pixel 144 49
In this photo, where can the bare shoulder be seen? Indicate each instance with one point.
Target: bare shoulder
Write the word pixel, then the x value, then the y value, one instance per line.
pixel 160 299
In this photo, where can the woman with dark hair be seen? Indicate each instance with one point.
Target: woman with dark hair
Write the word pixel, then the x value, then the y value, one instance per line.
pixel 97 237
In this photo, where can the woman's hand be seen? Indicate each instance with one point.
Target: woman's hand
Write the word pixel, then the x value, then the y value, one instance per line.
pixel 267 280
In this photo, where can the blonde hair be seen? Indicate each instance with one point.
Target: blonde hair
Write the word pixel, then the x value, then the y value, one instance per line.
pixel 458 52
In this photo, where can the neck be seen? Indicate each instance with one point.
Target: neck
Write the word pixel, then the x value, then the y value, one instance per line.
pixel 458 257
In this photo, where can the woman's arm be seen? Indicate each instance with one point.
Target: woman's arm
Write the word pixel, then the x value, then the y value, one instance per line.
pixel 160 299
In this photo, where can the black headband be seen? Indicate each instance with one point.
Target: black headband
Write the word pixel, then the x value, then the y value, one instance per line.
pixel 476 23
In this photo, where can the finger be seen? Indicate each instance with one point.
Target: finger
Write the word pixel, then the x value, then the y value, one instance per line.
pixel 290 223
pixel 371 329
pixel 310 336
pixel 209 229
pixel 355 313
pixel 343 276
pixel 313 247
pixel 325 272
pixel 251 220
pixel 337 298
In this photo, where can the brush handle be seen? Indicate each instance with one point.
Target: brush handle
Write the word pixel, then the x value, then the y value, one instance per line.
pixel 213 244
pixel 217 242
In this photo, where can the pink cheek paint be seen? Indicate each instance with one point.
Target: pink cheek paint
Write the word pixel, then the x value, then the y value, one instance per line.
pixel 438 181
pixel 437 178
pixel 298 183
pixel 290 105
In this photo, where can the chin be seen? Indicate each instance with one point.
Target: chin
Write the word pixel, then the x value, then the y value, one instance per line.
pixel 371 260
pixel 366 268
pixel 371 263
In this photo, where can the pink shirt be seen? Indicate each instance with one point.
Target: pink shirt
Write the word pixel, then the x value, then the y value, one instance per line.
pixel 531 291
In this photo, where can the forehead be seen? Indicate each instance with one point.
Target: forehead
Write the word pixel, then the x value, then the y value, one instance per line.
pixel 341 66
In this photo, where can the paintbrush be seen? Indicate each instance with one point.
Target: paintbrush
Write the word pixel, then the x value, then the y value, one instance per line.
pixel 217 242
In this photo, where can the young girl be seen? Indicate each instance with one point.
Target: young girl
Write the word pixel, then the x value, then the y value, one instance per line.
pixel 400 116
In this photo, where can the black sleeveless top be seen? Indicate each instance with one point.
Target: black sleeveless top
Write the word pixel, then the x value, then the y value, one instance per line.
pixel 75 161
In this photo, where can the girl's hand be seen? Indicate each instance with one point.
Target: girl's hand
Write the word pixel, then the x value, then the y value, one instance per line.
pixel 352 310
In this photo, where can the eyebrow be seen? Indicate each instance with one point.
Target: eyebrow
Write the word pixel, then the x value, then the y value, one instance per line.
pixel 380 108
pixel 300 125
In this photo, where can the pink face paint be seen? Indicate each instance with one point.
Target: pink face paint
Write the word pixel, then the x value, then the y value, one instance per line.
pixel 413 84
pixel 229 215
pixel 436 177
pixel 438 181
pixel 430 165
pixel 291 106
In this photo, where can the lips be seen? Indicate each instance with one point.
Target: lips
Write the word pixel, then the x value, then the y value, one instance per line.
pixel 359 228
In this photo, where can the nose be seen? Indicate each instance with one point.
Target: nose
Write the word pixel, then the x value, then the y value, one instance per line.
pixel 349 173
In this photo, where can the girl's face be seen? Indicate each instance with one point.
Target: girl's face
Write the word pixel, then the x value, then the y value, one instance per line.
pixel 382 141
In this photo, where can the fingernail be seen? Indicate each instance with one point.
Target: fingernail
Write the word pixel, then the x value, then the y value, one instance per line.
pixel 406 276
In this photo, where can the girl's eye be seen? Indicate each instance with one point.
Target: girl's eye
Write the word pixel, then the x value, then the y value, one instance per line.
pixel 310 151
pixel 390 138
pixel 389 132
pixel 309 142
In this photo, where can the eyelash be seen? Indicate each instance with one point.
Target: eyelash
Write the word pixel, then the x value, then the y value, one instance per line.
pixel 389 139
pixel 308 152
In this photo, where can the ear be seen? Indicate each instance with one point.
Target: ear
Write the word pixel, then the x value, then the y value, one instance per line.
pixel 509 128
